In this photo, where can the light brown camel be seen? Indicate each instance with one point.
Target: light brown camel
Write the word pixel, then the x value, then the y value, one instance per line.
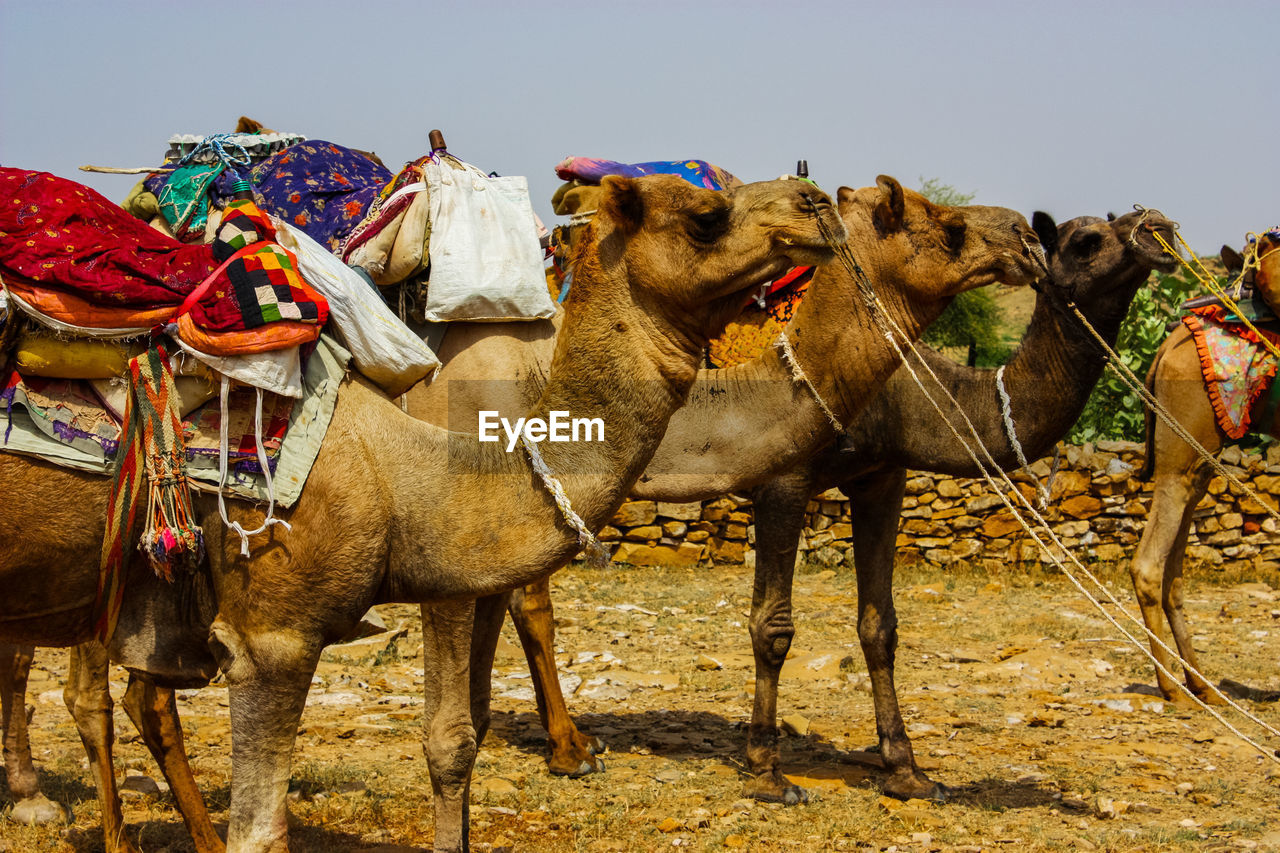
pixel 399 510
pixel 743 425
pixel 919 255
pixel 1093 263
pixel 1180 478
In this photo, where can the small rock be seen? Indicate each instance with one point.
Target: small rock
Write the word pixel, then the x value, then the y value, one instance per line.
pixel 795 724
pixel 669 825
pixel 706 663
pixel 1107 808
pixel 496 786
pixel 735 841
pixel 139 786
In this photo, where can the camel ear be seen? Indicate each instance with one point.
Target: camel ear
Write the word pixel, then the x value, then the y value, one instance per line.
pixel 622 202
pixel 1047 230
pixel 954 228
pixel 891 210
pixel 844 199
pixel 1231 260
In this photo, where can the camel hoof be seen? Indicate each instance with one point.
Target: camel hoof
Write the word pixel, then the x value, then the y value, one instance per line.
pixel 595 746
pixel 771 789
pixel 917 789
pixel 39 810
pixel 585 767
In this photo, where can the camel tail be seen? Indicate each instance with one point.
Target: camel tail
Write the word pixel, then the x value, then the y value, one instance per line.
pixel 1149 423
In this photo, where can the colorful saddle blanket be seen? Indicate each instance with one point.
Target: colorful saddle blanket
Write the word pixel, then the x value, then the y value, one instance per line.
pixel 589 170
pixel 322 188
pixel 72 256
pixel 1237 367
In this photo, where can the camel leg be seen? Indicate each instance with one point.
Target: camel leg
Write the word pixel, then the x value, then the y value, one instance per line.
pixel 572 753
pixel 154 712
pixel 779 517
pixel 450 740
pixel 1156 569
pixel 88 698
pixel 267 691
pixel 29 804
pixel 491 612
pixel 875 504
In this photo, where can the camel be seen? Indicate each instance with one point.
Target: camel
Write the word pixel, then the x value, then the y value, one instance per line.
pixel 1097 264
pixel 744 425
pixel 1180 478
pixel 919 256
pixel 399 510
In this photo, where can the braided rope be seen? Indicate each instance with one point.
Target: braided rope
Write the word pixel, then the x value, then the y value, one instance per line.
pixel 798 374
pixel 1006 412
pixel 217 145
pixel 597 555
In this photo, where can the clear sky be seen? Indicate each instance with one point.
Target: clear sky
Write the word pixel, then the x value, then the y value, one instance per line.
pixel 1070 107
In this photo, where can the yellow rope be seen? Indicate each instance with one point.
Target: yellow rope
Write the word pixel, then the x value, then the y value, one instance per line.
pixel 1210 282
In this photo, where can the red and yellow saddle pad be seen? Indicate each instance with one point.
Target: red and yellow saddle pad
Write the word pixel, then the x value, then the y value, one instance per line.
pixel 1236 365
pixel 71 255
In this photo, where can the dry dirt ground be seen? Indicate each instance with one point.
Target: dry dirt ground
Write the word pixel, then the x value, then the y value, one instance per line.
pixel 1018 694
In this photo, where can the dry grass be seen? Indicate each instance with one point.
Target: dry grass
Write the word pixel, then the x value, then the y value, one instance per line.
pixel 674 775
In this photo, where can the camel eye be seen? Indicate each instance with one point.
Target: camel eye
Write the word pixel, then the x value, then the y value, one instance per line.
pixel 708 225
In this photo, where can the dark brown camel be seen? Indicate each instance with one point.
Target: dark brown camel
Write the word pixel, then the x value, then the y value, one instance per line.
pixel 1180 478
pixel 1095 263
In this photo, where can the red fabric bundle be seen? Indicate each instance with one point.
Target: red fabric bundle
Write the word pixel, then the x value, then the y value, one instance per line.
pixel 62 236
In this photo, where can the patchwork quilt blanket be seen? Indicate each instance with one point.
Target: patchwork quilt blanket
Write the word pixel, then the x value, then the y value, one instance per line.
pixel 1237 367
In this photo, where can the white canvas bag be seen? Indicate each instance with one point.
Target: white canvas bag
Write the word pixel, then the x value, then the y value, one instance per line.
pixel 486 263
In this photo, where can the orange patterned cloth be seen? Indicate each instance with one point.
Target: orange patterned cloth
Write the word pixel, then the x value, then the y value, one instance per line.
pixel 754 330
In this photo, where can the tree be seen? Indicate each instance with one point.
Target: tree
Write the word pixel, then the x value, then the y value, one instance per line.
pixel 973 320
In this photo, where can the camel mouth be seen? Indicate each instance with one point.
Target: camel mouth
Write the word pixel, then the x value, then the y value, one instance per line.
pixel 1149 249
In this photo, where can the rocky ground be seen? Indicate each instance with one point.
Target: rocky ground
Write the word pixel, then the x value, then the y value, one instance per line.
pixel 1017 693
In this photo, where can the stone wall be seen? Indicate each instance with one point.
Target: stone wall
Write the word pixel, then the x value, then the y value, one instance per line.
pixel 1098 505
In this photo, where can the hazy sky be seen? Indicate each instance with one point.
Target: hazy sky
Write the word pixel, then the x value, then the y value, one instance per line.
pixel 1070 107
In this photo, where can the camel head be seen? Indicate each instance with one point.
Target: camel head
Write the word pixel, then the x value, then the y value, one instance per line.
pixel 943 250
pixel 1100 263
pixel 1266 277
pixel 690 254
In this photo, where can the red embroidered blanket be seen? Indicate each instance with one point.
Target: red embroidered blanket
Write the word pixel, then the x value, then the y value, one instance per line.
pixel 82 251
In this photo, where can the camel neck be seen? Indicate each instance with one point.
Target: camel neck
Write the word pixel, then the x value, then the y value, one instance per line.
pixel 1048 380
pixel 741 425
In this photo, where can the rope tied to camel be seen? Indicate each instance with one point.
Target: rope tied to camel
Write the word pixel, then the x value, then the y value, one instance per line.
pixel 797 373
pixel 597 554
pixel 1006 412
pixel 1043 524
pixel 263 462
pixel 1252 260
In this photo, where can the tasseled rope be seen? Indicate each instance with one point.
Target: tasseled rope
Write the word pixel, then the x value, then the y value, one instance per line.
pixel 170 537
